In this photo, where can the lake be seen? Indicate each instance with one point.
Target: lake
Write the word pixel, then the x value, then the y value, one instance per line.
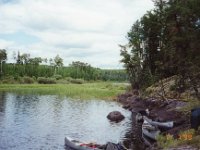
pixel 43 121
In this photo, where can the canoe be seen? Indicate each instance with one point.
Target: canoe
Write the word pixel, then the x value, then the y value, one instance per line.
pixel 77 145
pixel 148 126
pixel 168 124
pixel 150 130
pixel 152 134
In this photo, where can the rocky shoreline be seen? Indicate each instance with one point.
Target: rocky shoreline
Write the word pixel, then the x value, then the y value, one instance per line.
pixel 160 110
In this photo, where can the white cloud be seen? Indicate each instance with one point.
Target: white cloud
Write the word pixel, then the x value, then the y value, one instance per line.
pixel 5 44
pixel 88 30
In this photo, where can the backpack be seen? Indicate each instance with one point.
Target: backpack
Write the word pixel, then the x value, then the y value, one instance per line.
pixel 195 118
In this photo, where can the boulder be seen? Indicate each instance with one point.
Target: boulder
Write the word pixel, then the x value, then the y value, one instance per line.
pixel 126 106
pixel 115 116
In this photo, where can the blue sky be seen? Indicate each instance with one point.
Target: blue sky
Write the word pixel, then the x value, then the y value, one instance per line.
pixel 87 30
pixel 6 1
pixel 20 37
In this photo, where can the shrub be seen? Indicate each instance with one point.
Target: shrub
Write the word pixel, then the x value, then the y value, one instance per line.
pixel 43 80
pixel 128 88
pixel 69 79
pixel 27 80
pixel 16 76
pixel 166 141
pixel 20 80
pixel 34 78
pixel 62 81
pixel 77 81
pixel 122 87
pixel 8 80
pixel 173 87
pixel 57 76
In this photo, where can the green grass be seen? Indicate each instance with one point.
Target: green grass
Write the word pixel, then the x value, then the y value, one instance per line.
pixel 97 90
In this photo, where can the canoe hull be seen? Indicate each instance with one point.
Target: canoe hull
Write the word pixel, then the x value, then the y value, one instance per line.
pixel 150 134
pixel 168 124
pixel 71 144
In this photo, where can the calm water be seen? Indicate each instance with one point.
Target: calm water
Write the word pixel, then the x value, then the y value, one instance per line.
pixel 42 122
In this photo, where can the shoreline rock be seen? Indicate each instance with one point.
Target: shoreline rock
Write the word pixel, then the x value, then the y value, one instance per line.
pixel 160 110
pixel 115 116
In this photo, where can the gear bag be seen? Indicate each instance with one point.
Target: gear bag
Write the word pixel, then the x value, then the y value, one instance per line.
pixel 195 118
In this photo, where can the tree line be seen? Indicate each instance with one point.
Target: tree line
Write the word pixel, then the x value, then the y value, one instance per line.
pixel 165 42
pixel 35 67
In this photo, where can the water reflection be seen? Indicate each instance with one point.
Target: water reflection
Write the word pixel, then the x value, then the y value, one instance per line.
pixel 42 122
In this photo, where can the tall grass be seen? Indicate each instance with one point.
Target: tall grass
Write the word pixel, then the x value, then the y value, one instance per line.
pixel 97 90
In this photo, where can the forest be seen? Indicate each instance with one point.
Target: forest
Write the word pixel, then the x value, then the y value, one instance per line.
pixel 28 69
pixel 165 42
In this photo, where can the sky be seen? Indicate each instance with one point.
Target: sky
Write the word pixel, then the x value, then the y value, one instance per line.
pixel 77 30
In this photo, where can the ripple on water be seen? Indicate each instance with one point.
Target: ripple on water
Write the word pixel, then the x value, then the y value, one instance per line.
pixel 42 122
